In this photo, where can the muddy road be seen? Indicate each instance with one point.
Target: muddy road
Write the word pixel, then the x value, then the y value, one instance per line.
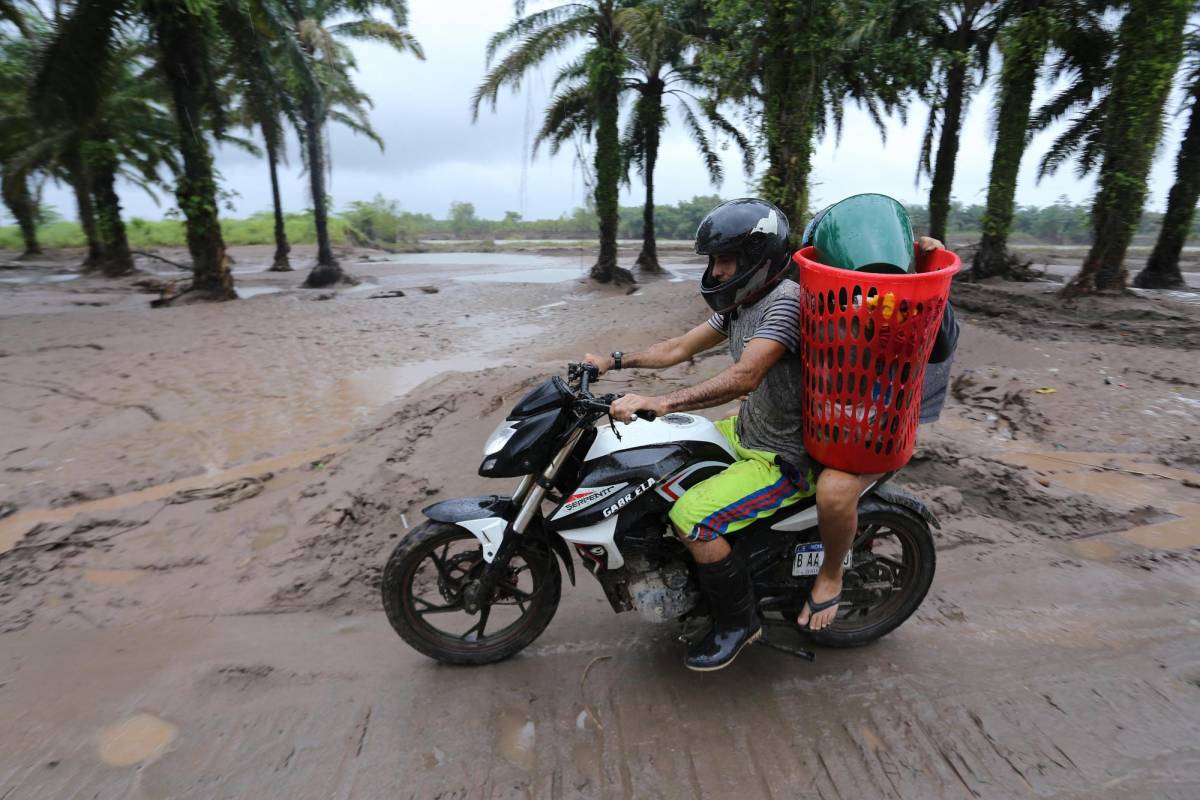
pixel 195 504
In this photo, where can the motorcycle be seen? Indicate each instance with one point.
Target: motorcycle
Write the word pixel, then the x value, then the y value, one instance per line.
pixel 480 579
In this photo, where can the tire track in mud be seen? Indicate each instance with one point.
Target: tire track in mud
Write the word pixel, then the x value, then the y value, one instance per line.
pixel 1048 318
pixel 930 712
pixel 958 482
pixel 380 484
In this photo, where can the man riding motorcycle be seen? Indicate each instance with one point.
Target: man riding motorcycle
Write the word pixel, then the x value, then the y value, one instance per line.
pixel 756 306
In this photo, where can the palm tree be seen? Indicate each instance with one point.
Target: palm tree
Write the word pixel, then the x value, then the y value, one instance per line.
pixel 265 78
pixel 656 70
pixel 17 135
pixel 319 100
pixel 1162 270
pixel 1023 43
pixel 1031 29
pixel 960 44
pixel 1118 102
pixel 536 37
pixel 657 51
pixel 796 63
pixel 78 62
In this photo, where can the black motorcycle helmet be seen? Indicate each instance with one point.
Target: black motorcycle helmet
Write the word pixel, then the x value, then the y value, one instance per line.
pixel 758 232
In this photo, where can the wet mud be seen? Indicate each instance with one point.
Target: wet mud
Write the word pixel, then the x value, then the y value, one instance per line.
pixel 188 597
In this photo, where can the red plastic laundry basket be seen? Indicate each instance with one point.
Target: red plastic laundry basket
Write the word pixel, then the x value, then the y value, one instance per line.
pixel 866 340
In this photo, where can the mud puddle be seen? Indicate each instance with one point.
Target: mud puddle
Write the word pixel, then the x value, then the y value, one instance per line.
pixel 135 740
pixel 246 292
pixel 112 577
pixel 487 262
pixel 27 279
pixel 541 275
pixel 364 391
pixel 1131 480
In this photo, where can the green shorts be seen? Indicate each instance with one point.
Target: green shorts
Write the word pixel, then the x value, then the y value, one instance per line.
pixel 753 487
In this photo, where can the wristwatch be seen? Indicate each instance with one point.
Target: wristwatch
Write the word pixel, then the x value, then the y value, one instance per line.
pixel 617 355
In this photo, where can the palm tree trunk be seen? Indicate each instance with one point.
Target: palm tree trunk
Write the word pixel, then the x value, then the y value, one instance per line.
pixel 1149 48
pixel 196 187
pixel 282 248
pixel 1162 270
pixel 327 271
pixel 1024 47
pixel 647 260
pixel 117 259
pixel 14 186
pixel 790 111
pixel 81 185
pixel 943 168
pixel 605 78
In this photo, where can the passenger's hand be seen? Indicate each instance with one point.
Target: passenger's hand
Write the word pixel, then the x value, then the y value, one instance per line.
pixel 603 363
pixel 626 408
pixel 928 244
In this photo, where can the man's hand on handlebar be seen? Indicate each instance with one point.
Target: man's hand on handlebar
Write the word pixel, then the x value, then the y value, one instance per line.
pixel 603 363
pixel 625 408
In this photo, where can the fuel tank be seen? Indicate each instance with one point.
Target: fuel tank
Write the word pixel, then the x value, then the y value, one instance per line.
pixel 642 468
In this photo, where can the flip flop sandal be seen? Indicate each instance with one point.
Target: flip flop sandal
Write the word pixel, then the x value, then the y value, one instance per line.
pixel 817 608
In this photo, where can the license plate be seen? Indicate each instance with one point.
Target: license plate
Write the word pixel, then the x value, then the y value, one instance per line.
pixel 809 558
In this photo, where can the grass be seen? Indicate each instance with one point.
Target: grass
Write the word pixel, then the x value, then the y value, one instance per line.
pixel 142 233
pixel 260 229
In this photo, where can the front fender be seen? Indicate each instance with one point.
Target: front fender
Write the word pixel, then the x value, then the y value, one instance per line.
pixel 486 517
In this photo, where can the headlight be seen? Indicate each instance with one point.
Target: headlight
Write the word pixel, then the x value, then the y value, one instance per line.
pixel 495 443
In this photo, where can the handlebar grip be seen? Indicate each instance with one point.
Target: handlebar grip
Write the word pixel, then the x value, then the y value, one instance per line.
pixel 649 416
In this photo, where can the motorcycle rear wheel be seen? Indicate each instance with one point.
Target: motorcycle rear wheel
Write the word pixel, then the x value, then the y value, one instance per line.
pixel 888 530
pixel 425 577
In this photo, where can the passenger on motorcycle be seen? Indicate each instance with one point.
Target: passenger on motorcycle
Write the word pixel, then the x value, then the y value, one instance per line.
pixel 756 303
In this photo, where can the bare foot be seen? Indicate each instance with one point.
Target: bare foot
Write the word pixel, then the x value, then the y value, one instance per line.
pixel 824 589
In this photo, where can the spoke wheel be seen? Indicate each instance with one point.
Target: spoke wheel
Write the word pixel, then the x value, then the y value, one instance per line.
pixel 435 568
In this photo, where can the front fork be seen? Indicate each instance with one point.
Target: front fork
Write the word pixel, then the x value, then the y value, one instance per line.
pixel 528 497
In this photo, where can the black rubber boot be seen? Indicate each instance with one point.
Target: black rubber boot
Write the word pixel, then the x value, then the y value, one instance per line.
pixel 735 618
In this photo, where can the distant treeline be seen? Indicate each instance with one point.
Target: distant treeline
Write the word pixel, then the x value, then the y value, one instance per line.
pixel 382 221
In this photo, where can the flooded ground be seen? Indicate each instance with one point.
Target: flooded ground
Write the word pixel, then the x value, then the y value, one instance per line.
pixel 196 502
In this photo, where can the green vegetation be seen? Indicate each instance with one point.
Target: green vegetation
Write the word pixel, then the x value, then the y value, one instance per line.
pixel 381 222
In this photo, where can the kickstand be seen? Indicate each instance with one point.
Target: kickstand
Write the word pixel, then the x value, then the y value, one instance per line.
pixel 799 652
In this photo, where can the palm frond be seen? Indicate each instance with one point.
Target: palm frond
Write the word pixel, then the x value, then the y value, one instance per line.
pixel 373 30
pixel 1077 137
pixel 712 161
pixel 527 25
pixel 357 125
pixel 531 51
pixel 570 72
pixel 569 112
pixel 925 159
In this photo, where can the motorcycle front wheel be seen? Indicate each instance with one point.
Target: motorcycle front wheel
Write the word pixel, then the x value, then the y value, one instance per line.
pixel 423 583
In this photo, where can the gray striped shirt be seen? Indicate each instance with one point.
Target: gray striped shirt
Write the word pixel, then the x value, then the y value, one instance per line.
pixel 770 418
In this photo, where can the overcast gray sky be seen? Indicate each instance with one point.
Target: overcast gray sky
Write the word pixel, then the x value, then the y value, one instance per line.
pixel 435 155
